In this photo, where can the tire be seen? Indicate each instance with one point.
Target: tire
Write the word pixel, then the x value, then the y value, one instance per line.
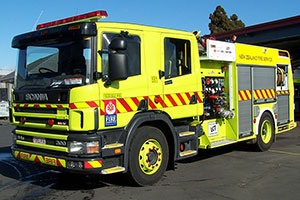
pixel 148 156
pixel 266 133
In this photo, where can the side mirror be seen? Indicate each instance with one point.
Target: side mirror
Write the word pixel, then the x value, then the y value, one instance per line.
pixel 118 60
pixel 118 44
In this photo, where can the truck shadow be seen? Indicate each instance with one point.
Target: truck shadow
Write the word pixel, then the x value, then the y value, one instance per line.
pixel 208 153
pixel 19 172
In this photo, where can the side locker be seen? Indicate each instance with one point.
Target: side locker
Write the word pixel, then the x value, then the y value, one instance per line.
pixel 283 95
pixel 245 100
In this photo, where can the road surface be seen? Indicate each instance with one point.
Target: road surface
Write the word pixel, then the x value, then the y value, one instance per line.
pixel 232 172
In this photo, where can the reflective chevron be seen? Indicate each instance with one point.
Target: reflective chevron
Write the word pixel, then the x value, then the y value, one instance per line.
pixel 245 95
pixel 155 101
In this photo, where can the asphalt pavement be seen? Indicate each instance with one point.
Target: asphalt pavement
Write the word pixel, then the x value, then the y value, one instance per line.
pixel 231 172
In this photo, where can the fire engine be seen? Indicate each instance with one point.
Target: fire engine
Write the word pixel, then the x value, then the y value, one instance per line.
pixel 102 97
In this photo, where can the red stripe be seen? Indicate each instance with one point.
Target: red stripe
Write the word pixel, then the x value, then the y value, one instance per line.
pixel 19 155
pixel 151 104
pixel 59 163
pixel 198 97
pixel 72 106
pixel 36 105
pixel 26 105
pixel 18 105
pixel 267 94
pixel 48 106
pixel 87 165
pixel 102 112
pixel 59 106
pixel 262 94
pixel 171 100
pixel 36 159
pixel 240 94
pixel 92 104
pixel 118 111
pixel 125 105
pixel 161 101
pixel 245 91
pixel 270 90
pixel 180 98
pixel 135 100
pixel 256 94
pixel 188 95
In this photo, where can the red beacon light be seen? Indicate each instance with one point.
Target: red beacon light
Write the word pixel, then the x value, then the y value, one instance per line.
pixel 92 16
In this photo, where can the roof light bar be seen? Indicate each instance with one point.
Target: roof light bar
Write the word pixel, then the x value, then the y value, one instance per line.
pixel 100 14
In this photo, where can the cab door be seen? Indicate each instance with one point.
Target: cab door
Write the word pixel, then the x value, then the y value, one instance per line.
pixel 119 100
pixel 179 78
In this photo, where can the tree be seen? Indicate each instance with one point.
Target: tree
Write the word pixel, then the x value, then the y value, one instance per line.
pixel 219 21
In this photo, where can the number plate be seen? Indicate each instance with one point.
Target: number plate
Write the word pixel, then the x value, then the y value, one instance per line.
pixel 37 140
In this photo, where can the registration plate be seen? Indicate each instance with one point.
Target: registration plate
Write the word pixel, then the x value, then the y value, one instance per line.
pixel 37 140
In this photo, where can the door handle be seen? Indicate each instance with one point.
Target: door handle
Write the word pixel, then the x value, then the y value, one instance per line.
pixel 168 82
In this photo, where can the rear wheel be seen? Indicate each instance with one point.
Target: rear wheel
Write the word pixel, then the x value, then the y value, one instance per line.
pixel 266 133
pixel 148 156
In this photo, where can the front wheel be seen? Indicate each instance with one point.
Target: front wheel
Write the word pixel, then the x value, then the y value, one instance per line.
pixel 266 133
pixel 148 156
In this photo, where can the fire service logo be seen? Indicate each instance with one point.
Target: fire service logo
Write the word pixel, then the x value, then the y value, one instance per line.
pixel 110 106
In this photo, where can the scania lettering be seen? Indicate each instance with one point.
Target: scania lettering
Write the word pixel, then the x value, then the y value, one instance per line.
pixel 103 97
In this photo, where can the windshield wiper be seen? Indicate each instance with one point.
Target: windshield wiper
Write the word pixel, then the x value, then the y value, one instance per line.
pixel 36 86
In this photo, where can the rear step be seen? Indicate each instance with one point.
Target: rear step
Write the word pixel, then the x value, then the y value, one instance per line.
pixel 113 170
pixel 221 143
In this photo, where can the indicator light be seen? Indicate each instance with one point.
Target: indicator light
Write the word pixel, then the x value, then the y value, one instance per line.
pixel 23 119
pixel 51 122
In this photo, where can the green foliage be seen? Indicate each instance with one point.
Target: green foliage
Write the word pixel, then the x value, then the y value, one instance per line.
pixel 219 21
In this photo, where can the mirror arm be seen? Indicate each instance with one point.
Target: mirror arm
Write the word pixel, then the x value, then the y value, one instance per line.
pixel 102 52
pixel 97 75
pixel 107 83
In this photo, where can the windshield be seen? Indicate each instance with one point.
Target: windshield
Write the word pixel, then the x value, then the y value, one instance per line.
pixel 66 64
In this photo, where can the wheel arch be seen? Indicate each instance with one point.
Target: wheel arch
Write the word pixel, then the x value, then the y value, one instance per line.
pixel 159 120
pixel 262 112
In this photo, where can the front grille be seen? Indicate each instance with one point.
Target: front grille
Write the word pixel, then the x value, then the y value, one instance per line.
pixel 54 142
pixel 36 110
pixel 43 120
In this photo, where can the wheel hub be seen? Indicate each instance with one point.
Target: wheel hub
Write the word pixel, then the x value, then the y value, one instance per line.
pixel 150 156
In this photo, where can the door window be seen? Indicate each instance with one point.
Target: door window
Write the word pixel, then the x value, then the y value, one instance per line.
pixel 177 57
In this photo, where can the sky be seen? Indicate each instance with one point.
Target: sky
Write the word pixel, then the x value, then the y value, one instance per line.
pixel 20 16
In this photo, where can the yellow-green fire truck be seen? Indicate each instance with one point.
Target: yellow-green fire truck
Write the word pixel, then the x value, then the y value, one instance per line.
pixel 102 97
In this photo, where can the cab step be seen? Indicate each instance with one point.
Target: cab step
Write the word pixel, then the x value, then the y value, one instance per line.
pixel 187 133
pixel 188 153
pixel 113 170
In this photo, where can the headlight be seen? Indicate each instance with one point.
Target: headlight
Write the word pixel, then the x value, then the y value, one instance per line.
pixel 84 147
pixel 76 147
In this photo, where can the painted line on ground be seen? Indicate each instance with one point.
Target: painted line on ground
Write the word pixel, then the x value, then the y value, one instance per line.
pixel 285 152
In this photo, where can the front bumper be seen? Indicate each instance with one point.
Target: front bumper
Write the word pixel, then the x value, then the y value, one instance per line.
pixel 84 165
pixel 49 154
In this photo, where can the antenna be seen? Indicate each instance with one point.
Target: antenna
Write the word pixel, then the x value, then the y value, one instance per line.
pixel 37 20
